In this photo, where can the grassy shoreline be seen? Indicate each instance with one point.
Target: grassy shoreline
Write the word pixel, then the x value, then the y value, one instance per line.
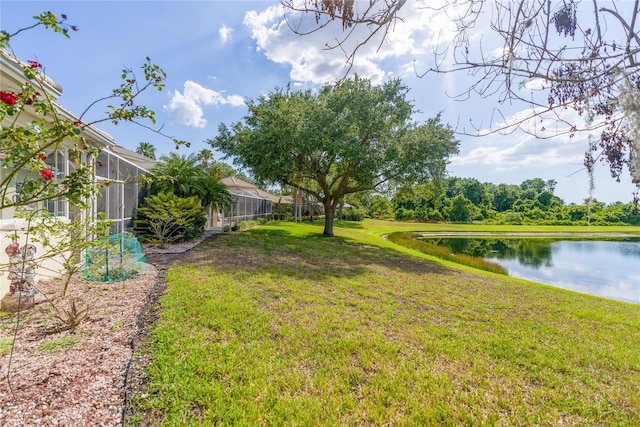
pixel 409 241
pixel 280 326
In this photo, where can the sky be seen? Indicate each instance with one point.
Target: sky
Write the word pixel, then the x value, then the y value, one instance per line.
pixel 218 54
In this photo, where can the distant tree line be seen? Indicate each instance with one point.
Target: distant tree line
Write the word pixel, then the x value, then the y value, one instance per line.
pixel 468 200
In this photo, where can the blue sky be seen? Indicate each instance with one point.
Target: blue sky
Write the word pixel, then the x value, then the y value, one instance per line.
pixel 219 53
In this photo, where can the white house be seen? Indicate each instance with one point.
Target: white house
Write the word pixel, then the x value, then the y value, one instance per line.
pixel 114 163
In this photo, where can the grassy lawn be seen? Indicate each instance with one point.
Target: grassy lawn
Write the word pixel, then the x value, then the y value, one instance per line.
pixel 278 326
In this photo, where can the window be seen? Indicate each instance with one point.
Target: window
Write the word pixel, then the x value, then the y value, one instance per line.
pixel 57 162
pixel 102 165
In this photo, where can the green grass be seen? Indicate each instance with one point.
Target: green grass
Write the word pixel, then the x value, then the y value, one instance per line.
pixel 279 326
pixel 57 345
pixel 5 346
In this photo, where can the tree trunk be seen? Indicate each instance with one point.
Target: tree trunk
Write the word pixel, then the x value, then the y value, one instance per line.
pixel 328 219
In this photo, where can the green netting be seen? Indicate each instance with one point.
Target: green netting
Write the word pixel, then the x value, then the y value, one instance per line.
pixel 118 257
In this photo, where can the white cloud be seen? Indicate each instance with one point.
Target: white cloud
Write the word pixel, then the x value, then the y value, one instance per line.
pixel 184 110
pixel 536 84
pixel 310 60
pixel 235 100
pixel 186 107
pixel 201 94
pixel 520 150
pixel 225 33
pixel 542 140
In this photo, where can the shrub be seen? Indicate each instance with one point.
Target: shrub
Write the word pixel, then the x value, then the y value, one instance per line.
pixel 404 214
pixel 353 214
pixel 166 218
pixel 513 218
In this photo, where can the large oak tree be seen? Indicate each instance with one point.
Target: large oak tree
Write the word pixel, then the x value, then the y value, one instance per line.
pixel 584 54
pixel 346 138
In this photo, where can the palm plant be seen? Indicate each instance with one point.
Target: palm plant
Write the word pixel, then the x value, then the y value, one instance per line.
pixel 147 149
pixel 216 193
pixel 220 170
pixel 205 156
pixel 185 176
pixel 180 175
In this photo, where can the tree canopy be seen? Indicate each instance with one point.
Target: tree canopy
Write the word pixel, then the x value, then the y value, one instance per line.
pixel 346 138
pixel 582 58
pixel 531 202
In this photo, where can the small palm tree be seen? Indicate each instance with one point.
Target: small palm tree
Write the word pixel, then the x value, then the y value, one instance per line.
pixel 184 176
pixel 147 149
pixel 205 156
pixel 216 193
pixel 177 174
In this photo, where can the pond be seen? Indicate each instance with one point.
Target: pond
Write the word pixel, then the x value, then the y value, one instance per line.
pixel 608 268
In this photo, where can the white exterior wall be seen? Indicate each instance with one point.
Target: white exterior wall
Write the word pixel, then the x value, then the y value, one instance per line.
pixel 47 269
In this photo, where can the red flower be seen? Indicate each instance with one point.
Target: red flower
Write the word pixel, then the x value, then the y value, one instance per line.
pixel 34 64
pixel 46 174
pixel 8 98
pixel 78 123
pixel 42 157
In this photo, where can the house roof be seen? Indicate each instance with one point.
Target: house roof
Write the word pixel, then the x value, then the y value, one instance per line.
pixel 134 157
pixel 15 66
pixel 236 184
pixel 285 199
pixel 12 77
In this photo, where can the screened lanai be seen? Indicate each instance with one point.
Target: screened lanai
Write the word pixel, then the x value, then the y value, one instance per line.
pixel 245 205
pixel 117 200
pixel 248 202
pixel 123 194
pixel 114 164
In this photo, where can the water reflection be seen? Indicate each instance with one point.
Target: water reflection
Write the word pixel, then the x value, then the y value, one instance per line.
pixel 608 268
pixel 533 252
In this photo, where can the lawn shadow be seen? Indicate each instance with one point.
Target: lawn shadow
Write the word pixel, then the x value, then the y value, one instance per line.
pixel 304 256
pixel 349 224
